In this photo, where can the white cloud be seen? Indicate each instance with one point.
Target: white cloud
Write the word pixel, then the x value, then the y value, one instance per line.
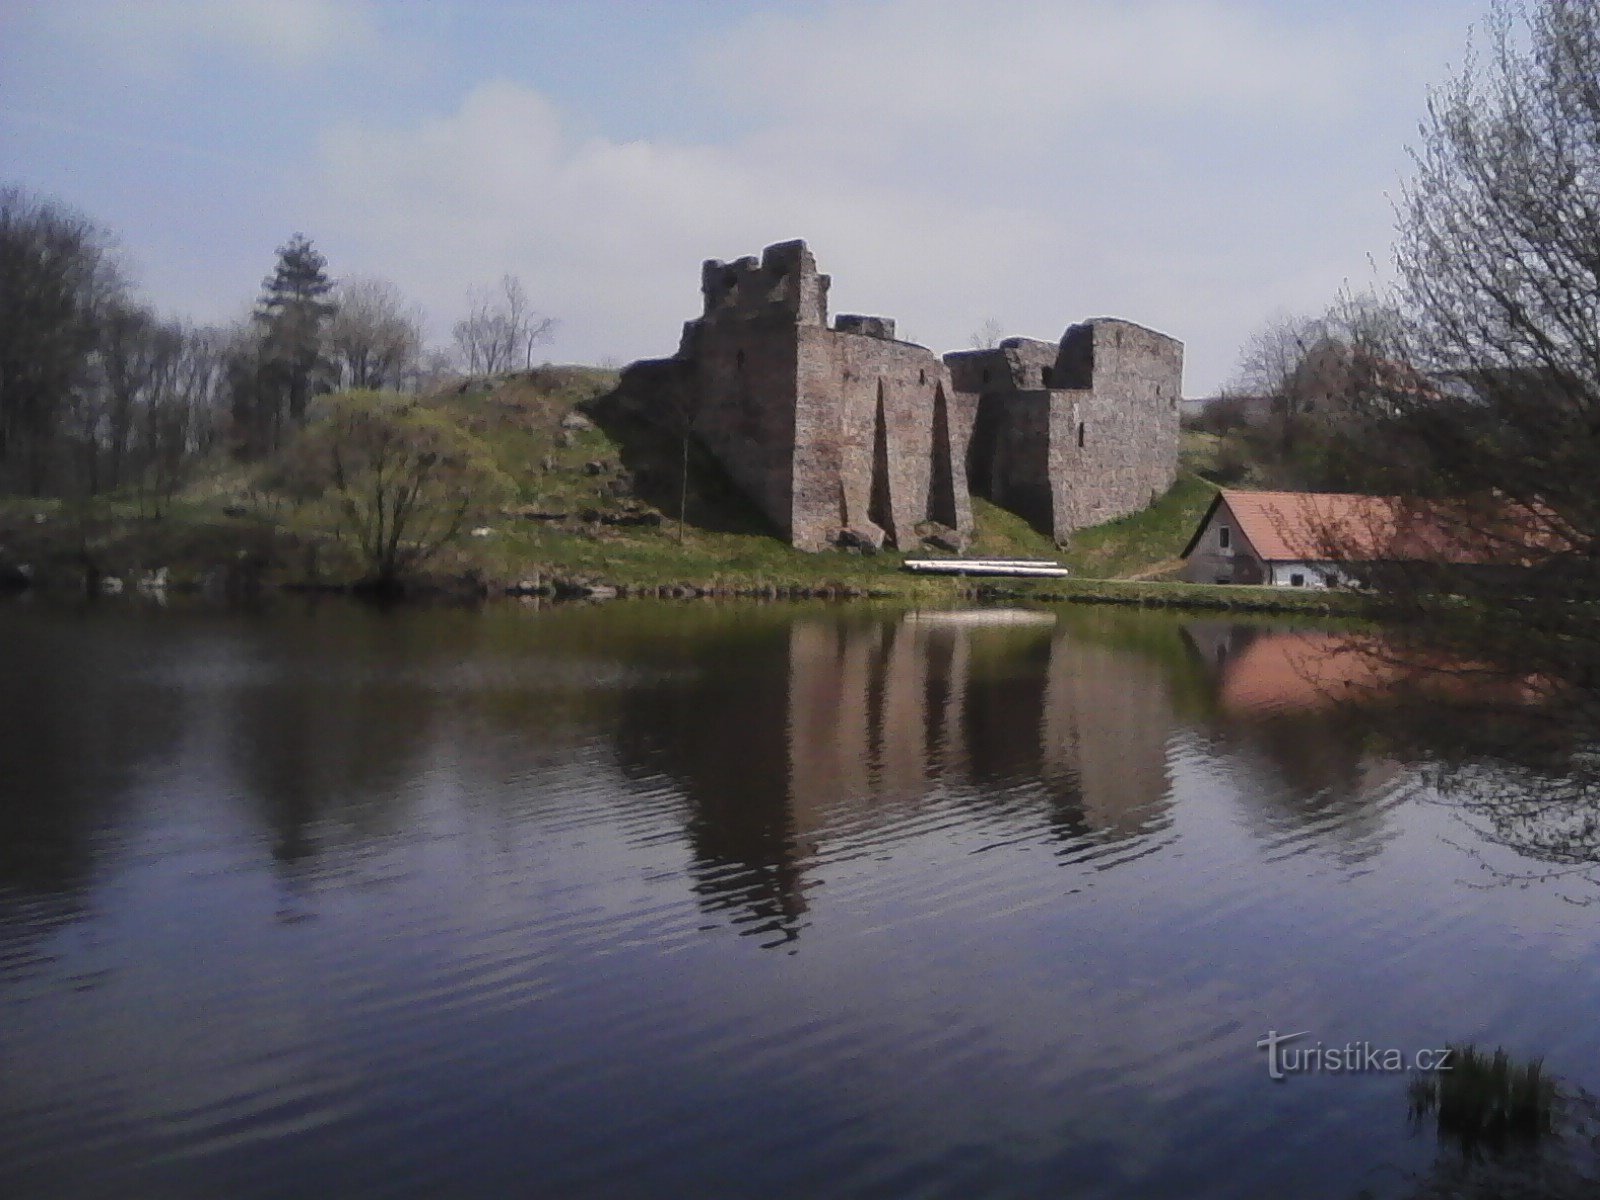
pixel 1193 166
pixel 611 233
pixel 971 67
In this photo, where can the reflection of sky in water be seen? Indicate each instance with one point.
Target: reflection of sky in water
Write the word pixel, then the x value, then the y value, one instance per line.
pixel 719 903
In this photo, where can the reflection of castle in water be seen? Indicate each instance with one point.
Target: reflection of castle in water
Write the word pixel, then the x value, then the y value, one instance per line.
pixel 838 729
pixel 883 714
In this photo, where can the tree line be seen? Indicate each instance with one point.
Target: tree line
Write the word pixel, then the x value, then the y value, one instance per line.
pixel 99 393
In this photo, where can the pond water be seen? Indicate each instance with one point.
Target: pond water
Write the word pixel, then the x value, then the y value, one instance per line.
pixel 659 901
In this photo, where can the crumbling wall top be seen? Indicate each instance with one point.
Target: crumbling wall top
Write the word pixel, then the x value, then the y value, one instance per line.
pixel 1016 364
pixel 873 327
pixel 783 284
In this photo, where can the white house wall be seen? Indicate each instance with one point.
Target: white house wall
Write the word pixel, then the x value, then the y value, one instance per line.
pixel 1313 574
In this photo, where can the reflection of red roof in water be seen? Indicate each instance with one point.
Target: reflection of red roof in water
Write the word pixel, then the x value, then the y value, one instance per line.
pixel 1306 526
pixel 1308 671
pixel 1297 671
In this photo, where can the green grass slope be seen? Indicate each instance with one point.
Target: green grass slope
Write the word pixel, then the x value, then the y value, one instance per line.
pixel 597 498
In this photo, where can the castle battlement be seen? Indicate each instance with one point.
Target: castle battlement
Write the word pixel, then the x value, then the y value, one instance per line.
pixel 783 284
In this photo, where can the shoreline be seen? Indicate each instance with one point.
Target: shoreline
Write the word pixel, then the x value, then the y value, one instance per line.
pixel 561 588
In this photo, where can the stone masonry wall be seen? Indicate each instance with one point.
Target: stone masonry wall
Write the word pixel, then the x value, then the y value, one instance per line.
pixel 847 428
pixel 1015 364
pixel 743 387
pixel 1008 460
pixel 880 439
pixel 1114 448
pixel 1078 433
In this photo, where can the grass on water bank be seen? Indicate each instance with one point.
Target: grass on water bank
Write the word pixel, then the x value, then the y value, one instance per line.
pixel 597 500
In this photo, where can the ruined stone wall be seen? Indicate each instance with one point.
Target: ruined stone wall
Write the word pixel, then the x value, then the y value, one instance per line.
pixel 782 284
pixel 880 439
pixel 741 359
pixel 1114 448
pixel 1009 460
pixel 1078 433
pixel 1016 364
pixel 848 428
pixel 743 384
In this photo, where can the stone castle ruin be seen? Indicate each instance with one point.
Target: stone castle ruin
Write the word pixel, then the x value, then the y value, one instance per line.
pixel 846 435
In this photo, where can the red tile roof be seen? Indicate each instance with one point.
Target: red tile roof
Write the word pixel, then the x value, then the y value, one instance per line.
pixel 1322 526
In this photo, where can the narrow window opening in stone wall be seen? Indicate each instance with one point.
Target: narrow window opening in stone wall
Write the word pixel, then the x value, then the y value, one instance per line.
pixel 986 374
pixel 1224 537
pixel 1080 435
pixel 922 376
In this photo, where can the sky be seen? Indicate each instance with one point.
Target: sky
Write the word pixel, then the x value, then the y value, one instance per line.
pixel 1198 166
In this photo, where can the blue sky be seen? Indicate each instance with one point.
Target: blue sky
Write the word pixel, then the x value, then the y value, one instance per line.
pixel 1194 165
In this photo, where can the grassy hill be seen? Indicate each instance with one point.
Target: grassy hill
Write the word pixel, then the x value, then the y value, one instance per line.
pixel 596 499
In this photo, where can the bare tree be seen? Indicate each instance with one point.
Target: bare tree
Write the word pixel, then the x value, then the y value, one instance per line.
pixel 1297 411
pixel 374 335
pixel 1274 352
pixel 57 275
pixel 179 422
pixel 433 369
pixel 500 330
pixel 987 336
pixel 1499 262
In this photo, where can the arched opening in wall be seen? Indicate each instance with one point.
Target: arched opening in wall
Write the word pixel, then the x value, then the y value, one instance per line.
pixel 941 477
pixel 880 506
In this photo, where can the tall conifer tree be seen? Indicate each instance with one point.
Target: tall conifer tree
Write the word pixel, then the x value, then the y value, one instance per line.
pixel 293 366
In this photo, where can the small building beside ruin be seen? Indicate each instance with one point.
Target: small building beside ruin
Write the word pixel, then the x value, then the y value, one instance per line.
pixel 1315 539
pixel 846 433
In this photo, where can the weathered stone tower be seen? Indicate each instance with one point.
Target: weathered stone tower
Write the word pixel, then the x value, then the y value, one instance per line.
pixel 846 433
pixel 825 429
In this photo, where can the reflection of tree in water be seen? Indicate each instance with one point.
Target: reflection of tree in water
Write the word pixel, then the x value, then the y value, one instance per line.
pixel 1506 1130
pixel 329 732
pixel 716 724
pixel 78 722
pixel 1510 720
pixel 1503 723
